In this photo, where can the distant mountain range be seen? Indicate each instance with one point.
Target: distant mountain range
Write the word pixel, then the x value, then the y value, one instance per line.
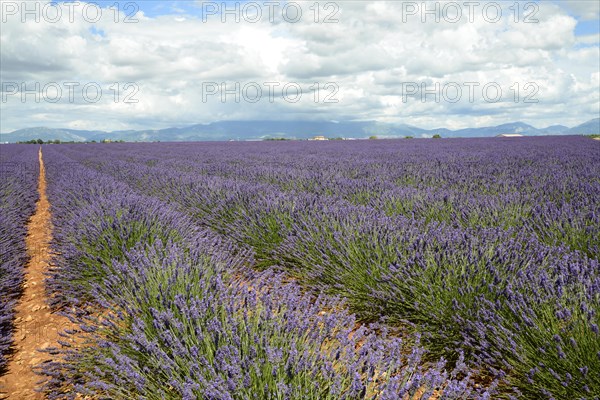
pixel 260 130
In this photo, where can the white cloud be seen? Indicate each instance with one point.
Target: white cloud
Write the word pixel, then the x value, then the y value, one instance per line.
pixel 585 9
pixel 371 54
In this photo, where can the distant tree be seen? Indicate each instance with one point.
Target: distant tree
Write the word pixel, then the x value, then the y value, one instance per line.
pixel 436 136
pixel 39 141
pixel 408 137
pixel 56 141
pixel 373 137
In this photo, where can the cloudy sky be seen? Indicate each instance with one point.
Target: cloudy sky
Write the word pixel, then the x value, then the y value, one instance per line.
pixel 430 64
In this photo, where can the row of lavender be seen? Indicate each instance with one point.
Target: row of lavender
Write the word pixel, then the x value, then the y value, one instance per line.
pixel 487 247
pixel 532 187
pixel 543 186
pixel 18 194
pixel 169 311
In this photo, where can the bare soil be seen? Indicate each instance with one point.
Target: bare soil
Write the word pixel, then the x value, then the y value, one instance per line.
pixel 36 327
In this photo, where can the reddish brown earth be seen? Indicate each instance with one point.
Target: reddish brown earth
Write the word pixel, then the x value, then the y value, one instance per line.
pixel 36 327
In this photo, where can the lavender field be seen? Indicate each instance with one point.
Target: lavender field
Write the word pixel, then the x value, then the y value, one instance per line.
pixel 17 201
pixel 387 269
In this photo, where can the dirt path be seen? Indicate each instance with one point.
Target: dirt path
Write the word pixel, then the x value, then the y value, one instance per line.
pixel 36 327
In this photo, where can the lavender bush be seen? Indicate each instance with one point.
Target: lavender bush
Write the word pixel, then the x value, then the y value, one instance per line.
pixel 178 330
pixel 488 248
pixel 184 318
pixel 18 194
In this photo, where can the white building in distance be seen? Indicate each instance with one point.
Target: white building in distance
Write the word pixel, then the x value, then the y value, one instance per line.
pixel 509 135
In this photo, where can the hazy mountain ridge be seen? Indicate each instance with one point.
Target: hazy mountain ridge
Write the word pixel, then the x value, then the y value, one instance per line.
pixel 257 130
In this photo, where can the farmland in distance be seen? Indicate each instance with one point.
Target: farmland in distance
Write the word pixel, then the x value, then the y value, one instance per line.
pixel 459 268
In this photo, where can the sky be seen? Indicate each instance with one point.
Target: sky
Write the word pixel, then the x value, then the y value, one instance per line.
pixel 118 65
